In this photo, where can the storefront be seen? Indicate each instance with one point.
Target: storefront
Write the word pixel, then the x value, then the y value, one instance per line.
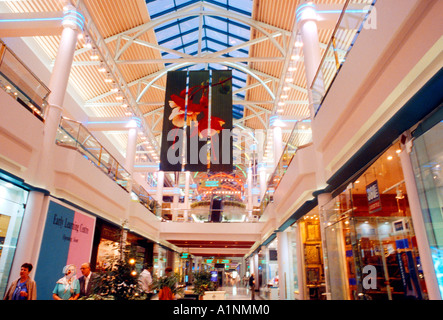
pixel 107 246
pixel 13 200
pixel 268 270
pixel 294 237
pixel 427 161
pixel 372 249
pixel 311 254
pixel 67 239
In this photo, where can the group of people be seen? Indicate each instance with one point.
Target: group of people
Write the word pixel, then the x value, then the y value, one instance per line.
pixel 66 288
pixel 146 284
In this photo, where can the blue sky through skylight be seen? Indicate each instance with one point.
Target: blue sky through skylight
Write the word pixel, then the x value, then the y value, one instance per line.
pixel 218 33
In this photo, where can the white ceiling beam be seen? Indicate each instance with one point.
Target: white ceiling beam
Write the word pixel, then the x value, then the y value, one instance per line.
pixel 204 59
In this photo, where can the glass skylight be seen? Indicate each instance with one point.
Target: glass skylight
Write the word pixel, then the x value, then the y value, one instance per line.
pixel 218 33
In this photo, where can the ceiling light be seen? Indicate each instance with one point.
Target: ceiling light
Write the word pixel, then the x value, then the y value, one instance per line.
pixel 102 67
pixel 281 103
pixel 292 68
pixel 390 157
pixel 286 88
pixel 295 57
pixel 87 43
pixel 94 55
pixel 289 80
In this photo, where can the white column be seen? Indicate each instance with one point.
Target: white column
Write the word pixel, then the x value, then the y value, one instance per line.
pixel 58 84
pixel 419 226
pixel 175 201
pixel 31 233
pixel 251 265
pixel 187 181
pixel 300 262
pixel 278 144
pixel 257 282
pixel 307 25
pixel 249 177
pixel 260 136
pixel 263 185
pixel 129 166
pixel 160 184
pixel 130 153
pixel 283 265
pixel 186 202
pixel 323 200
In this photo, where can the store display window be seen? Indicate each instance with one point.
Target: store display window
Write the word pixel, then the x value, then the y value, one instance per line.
pixel 12 204
pixel 294 256
pixel 160 260
pixel 313 263
pixel 268 271
pixel 427 160
pixel 371 245
pixel 108 247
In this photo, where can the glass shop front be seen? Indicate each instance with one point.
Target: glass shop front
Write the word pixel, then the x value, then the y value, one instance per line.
pixel 12 203
pixel 427 161
pixel 372 251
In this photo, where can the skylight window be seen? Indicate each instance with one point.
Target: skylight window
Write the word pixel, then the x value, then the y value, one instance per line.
pixel 219 32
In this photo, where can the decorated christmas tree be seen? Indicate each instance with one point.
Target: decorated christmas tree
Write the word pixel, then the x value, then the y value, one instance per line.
pixel 119 280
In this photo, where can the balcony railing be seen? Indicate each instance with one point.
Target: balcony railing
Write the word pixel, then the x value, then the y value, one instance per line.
pixel 301 136
pixel 73 134
pixel 146 199
pixel 352 20
pixel 21 83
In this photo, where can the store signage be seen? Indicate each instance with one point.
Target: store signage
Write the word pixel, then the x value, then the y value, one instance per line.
pixel 67 239
pixel 373 194
pixel 185 255
pixel 212 183
pixel 218 261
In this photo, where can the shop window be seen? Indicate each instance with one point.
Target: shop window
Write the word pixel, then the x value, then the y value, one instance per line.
pixel 12 204
pixel 371 246
pixel 313 256
pixel 427 160
pixel 293 249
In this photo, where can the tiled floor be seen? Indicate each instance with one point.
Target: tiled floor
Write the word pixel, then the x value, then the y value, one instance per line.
pixel 235 292
pixel 238 293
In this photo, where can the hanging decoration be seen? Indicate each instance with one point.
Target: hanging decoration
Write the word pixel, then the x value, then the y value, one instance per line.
pixel 197 122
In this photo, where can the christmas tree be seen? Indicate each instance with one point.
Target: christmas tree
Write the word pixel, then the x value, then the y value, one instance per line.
pixel 119 280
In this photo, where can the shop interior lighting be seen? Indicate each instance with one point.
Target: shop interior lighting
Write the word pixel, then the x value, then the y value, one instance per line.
pixel 102 67
pixel 94 55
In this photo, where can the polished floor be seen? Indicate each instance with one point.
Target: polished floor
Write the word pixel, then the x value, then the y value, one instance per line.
pixel 238 293
pixel 233 292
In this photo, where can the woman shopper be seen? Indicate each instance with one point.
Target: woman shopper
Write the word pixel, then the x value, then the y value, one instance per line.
pixel 68 287
pixel 24 288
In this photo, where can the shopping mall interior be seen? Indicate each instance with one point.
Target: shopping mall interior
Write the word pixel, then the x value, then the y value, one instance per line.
pixel 327 185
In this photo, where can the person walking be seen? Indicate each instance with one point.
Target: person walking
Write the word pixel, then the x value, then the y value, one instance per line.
pixel 252 286
pixel 145 281
pixel 24 288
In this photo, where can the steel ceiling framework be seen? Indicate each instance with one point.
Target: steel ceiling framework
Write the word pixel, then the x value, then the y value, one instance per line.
pixel 207 55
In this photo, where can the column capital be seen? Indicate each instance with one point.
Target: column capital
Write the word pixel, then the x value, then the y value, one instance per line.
pixel 72 18
pixel 306 12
